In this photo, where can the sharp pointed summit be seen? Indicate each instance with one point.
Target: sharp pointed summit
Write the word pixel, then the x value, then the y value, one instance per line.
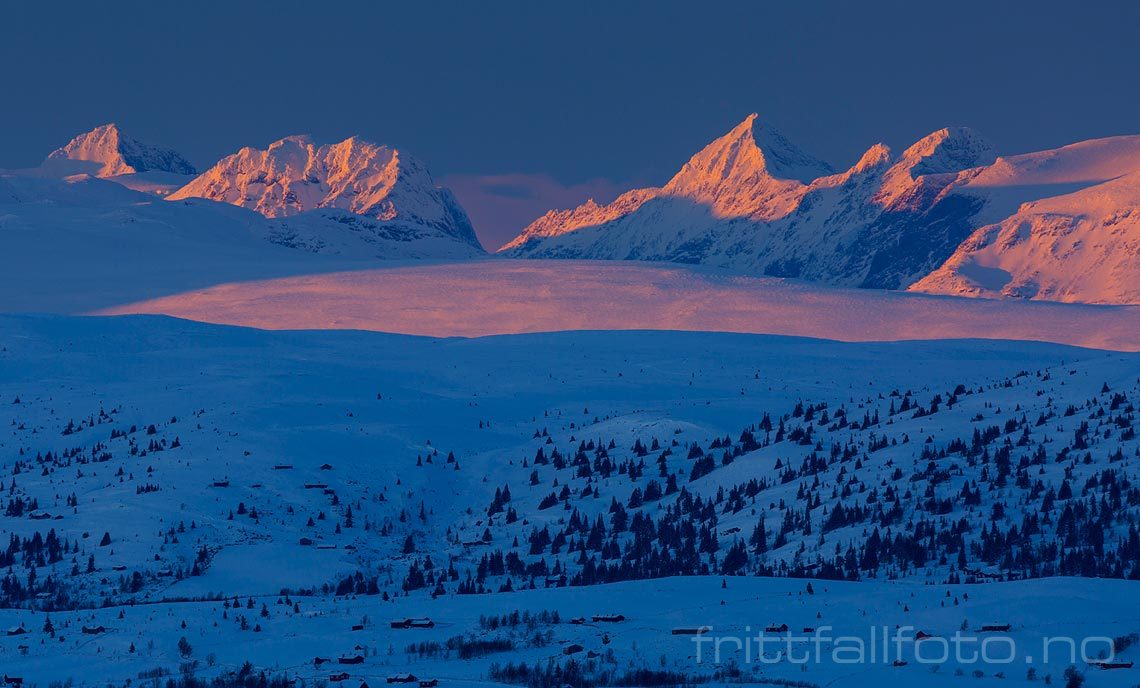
pixel 746 172
pixel 750 151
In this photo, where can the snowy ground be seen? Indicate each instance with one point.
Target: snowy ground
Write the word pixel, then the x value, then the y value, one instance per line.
pixel 243 421
pixel 288 641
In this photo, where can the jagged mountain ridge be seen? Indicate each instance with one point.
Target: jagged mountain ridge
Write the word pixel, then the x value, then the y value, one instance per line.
pixel 751 201
pixel 886 222
pixel 295 175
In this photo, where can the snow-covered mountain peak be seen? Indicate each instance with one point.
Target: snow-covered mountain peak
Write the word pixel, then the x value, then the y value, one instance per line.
pixel 948 150
pixel 750 171
pixel 932 164
pixel 751 151
pixel 295 175
pixel 106 152
pixel 877 156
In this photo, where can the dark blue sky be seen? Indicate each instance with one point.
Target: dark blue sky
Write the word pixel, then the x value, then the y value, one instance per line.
pixel 586 97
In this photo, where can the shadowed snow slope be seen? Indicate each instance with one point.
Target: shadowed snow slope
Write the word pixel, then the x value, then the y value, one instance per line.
pixel 501 296
pixel 75 245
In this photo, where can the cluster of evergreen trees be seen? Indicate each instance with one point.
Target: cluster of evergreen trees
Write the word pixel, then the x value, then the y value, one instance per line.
pixel 861 516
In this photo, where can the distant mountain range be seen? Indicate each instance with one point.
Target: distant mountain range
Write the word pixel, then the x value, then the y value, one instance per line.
pixel 947 216
pixel 353 198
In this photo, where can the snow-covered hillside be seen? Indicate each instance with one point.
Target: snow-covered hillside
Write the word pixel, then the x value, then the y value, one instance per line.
pixel 1082 246
pixel 294 176
pixel 306 484
pixel 752 202
pixel 70 246
pixel 83 243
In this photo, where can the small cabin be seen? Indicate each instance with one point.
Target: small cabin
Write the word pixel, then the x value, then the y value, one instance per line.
pixel 17 630
pixel 608 618
pixel 413 623
pixel 995 628
pixel 326 466
pixel 354 659
pixel 578 620
pixel 573 648
pixel 305 542
pixel 429 683
pixel 1105 665
pixel 39 516
pixel 692 630
pixel 221 483
pixel 773 628
pixel 358 627
pixel 316 486
pixel 13 680
pixel 94 630
pixel 402 678
pixel 923 635
pixel 317 661
pixel 283 467
pixel 339 676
